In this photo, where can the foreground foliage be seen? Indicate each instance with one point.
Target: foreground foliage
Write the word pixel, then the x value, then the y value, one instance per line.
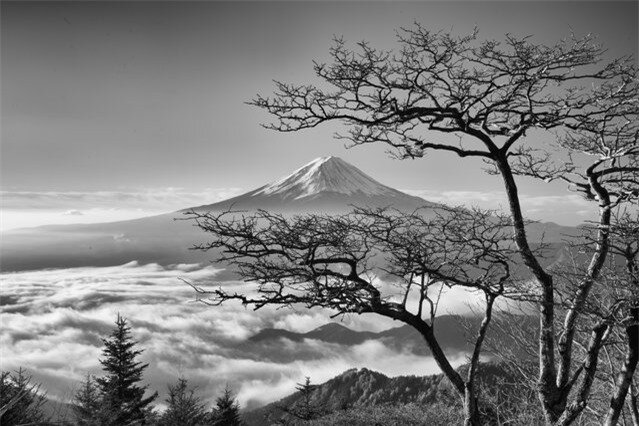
pixel 118 399
pixel 393 415
pixel 184 407
pixel 227 410
pixel 21 400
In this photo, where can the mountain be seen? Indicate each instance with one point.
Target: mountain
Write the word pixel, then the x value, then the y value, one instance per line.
pixel 325 185
pixel 369 389
pixel 449 330
pixel 278 345
pixel 330 333
pixel 361 387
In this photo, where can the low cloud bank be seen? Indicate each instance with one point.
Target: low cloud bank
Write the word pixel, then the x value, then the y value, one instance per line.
pixel 53 322
pixel 22 209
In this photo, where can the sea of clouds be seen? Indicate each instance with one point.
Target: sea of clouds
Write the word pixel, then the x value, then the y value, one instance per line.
pixel 53 322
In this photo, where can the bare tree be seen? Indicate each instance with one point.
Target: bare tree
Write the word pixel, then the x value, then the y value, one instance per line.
pixel 336 262
pixel 611 307
pixel 500 98
pixel 625 303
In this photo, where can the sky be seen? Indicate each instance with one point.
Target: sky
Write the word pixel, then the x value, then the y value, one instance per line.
pixel 143 99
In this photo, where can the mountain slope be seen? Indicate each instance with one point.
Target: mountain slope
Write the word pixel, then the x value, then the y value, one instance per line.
pixel 325 185
pixel 449 330
pixel 355 387
pixel 325 174
pixel 366 388
pixel 277 345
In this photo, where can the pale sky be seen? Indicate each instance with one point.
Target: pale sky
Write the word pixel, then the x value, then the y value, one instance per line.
pixel 108 104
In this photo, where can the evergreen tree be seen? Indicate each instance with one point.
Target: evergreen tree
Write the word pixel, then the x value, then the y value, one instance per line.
pixel 86 403
pixel 304 408
pixel 184 408
pixel 227 410
pixel 123 401
pixel 21 401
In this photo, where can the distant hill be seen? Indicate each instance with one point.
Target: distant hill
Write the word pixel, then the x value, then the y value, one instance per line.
pixel 366 388
pixel 270 344
pixel 449 329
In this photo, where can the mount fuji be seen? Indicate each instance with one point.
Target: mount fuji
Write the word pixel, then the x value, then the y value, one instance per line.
pixel 325 185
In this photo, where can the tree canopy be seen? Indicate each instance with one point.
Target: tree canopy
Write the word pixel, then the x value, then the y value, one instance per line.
pixel 21 400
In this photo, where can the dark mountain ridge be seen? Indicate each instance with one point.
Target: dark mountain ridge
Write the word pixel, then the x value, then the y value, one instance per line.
pixel 453 333
pixel 367 388
pixel 448 328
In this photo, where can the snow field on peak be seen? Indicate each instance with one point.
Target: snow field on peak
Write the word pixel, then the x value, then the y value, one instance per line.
pixel 325 174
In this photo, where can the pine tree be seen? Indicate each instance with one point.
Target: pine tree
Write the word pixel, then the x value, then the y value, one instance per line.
pixel 227 410
pixel 86 403
pixel 304 408
pixel 184 408
pixel 21 401
pixel 123 401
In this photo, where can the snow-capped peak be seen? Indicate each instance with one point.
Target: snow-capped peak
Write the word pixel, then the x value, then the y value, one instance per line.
pixel 325 174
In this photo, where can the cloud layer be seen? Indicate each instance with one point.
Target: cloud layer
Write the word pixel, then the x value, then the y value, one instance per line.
pixel 34 208
pixel 53 322
pixel 569 209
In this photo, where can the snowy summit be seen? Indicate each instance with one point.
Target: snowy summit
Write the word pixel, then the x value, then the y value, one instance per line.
pixel 325 185
pixel 325 174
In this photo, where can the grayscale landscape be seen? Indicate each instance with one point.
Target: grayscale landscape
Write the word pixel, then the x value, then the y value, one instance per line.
pixel 312 212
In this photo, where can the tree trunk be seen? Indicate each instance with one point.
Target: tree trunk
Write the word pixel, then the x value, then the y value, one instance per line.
pixel 553 406
pixel 632 402
pixel 465 389
pixel 625 375
pixel 565 344
pixel 553 401
pixel 573 410
pixel 436 350
pixel 471 408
